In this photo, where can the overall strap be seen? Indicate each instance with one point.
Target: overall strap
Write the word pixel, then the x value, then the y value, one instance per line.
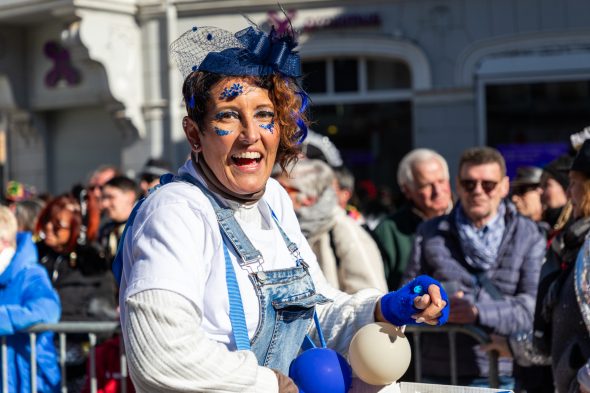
pixel 237 317
pixel 307 341
pixel 290 245
pixel 250 258
pixel 248 254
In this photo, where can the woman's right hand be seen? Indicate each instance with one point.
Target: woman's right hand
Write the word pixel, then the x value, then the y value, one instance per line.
pixel 286 384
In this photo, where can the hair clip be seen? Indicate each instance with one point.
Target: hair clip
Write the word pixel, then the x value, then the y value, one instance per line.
pixel 235 90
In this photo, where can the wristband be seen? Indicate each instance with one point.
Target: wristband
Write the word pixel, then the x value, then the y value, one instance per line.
pixel 398 307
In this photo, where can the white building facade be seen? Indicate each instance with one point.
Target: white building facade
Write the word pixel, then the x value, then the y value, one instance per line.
pixel 89 82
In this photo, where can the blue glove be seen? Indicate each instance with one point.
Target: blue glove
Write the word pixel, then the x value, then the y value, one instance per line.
pixel 398 307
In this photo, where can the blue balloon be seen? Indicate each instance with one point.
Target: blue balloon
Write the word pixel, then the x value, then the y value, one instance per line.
pixel 321 370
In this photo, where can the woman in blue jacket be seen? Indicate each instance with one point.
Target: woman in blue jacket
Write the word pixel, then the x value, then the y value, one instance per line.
pixel 26 298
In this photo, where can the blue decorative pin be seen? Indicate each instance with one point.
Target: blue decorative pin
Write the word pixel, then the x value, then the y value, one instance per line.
pixel 192 102
pixel 230 92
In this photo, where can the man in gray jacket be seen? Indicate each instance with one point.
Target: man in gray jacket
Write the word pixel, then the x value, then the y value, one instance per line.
pixel 489 258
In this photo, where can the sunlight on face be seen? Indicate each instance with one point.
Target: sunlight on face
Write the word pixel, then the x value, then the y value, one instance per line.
pixel 431 191
pixel 240 138
pixel 478 204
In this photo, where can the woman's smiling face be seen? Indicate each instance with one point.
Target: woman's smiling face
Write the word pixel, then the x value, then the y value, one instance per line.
pixel 240 139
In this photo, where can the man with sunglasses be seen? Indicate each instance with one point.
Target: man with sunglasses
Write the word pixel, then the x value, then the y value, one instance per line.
pixel 489 256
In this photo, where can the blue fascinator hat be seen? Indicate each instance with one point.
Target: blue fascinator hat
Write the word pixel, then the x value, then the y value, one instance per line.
pixel 248 52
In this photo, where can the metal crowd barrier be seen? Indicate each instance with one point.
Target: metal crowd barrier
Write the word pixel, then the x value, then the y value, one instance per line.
pixel 452 330
pixel 62 329
pixel 94 328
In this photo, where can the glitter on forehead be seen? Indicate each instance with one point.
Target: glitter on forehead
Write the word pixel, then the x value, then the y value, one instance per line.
pixel 230 92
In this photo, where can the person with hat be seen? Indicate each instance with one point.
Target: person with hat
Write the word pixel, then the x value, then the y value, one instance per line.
pixel 561 331
pixel 218 286
pixel 526 192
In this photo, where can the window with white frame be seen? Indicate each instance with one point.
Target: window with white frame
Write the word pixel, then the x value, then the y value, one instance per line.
pixel 358 75
pixel 364 105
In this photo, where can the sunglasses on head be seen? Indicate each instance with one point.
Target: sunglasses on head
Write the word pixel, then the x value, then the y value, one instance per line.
pixel 470 185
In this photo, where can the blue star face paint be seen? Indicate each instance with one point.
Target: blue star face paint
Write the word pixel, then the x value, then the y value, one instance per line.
pixel 270 127
pixel 230 92
pixel 221 132
pixel 267 119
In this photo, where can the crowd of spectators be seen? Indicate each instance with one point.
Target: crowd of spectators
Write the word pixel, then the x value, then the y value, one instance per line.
pixel 506 250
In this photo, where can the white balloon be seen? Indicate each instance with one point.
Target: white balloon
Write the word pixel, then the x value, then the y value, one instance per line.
pixel 379 353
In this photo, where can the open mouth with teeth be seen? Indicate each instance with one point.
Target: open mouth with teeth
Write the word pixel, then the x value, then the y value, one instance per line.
pixel 246 158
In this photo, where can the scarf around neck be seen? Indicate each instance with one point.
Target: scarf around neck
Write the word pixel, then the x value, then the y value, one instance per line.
pixel 481 246
pixel 319 217
pixel 214 185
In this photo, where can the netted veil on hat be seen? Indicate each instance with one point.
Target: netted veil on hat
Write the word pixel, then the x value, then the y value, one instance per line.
pixel 248 52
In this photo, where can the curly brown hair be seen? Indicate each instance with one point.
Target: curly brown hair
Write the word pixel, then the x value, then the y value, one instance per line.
pixel 285 94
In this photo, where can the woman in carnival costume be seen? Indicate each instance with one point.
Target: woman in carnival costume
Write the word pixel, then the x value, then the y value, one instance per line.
pixel 218 285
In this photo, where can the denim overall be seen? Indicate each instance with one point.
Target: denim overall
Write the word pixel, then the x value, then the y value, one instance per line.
pixel 286 297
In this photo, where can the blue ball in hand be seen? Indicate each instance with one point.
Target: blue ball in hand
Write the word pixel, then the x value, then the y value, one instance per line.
pixel 321 370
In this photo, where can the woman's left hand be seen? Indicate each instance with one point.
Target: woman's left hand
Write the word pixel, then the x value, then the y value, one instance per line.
pixel 423 300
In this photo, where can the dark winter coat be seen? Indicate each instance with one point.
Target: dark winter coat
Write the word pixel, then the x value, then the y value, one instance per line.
pixel 560 330
pixel 438 253
pixel 83 281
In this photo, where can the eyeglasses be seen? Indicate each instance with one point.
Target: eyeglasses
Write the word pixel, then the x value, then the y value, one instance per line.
pixel 470 185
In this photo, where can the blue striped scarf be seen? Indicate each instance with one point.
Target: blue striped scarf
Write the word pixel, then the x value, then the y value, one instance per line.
pixel 481 245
